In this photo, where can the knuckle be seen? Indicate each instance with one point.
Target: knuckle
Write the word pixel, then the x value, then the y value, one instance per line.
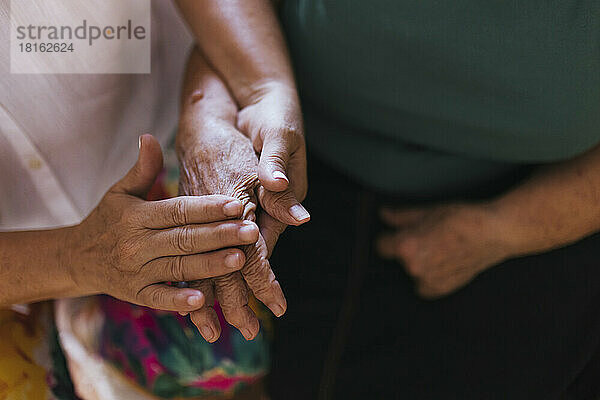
pixel 175 268
pixel 200 317
pixel 283 199
pixel 125 250
pixel 179 212
pixel 129 216
pixel 226 233
pixel 276 200
pixel 276 159
pixel 184 240
pixel 257 273
pixel 292 131
pixel 233 316
pixel 231 291
pixel 205 286
pixel 157 298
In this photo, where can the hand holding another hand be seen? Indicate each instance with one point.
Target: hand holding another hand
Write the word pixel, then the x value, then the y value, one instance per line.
pixel 217 145
pixel 208 169
pixel 128 247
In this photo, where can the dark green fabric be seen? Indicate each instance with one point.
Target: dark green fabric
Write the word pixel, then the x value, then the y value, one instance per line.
pixel 481 87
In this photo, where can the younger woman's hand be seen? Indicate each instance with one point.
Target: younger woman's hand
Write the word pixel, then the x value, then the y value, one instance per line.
pixel 129 247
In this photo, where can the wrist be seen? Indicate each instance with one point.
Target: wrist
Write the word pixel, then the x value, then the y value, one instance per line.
pixel 207 143
pixel 492 229
pixel 71 261
pixel 252 92
pixel 514 237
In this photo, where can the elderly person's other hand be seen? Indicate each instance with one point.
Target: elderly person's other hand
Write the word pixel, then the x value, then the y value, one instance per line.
pixel 444 247
pixel 229 167
pixel 128 247
pixel 216 158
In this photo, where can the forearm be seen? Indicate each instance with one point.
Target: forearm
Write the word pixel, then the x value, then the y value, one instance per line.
pixel 242 39
pixel 205 102
pixel 34 266
pixel 558 205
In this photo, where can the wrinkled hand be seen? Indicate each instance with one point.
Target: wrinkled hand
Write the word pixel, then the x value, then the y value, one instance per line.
pixel 272 120
pixel 228 166
pixel 443 248
pixel 128 247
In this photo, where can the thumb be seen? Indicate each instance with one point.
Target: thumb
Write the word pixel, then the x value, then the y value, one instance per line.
pixel 141 177
pixel 283 206
pixel 273 162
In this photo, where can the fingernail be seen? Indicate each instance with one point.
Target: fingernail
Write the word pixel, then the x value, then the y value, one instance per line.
pixel 233 208
pixel 183 314
pixel 280 175
pixel 299 213
pixel 248 231
pixel 276 309
pixel 194 300
pixel 233 261
pixel 207 332
pixel 139 142
pixel 246 333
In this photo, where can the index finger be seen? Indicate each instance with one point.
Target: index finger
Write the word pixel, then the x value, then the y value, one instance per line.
pixel 185 210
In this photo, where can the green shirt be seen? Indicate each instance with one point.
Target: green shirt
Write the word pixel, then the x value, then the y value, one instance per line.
pixel 427 97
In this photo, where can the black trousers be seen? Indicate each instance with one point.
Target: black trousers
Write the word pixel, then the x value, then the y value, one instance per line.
pixel 526 329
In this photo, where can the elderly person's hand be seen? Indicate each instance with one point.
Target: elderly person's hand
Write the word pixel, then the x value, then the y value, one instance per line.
pixel 216 158
pixel 444 247
pixel 229 167
pixel 129 247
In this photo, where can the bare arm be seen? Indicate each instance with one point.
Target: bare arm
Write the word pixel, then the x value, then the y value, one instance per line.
pixel 446 246
pixel 559 205
pixel 33 266
pixel 242 40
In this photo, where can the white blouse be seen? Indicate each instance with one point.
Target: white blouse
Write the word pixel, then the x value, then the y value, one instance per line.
pixel 66 138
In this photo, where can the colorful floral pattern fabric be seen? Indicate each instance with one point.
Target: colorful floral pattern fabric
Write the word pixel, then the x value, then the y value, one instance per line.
pixel 164 353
